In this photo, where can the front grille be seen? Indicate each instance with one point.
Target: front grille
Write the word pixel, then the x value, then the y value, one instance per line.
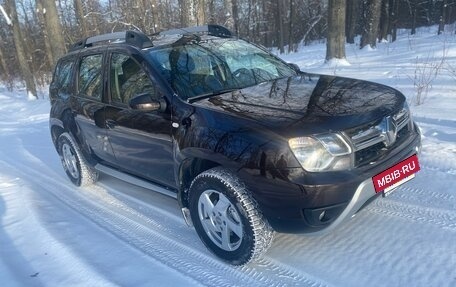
pixel 372 141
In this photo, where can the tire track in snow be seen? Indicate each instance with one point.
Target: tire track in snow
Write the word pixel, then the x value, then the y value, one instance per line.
pixel 441 218
pixel 144 236
pixel 265 263
pixel 413 195
pixel 267 266
pixel 427 193
pixel 431 168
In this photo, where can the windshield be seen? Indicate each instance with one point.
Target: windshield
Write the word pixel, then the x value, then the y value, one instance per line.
pixel 217 65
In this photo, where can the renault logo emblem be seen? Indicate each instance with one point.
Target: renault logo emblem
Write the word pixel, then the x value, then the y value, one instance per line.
pixel 389 131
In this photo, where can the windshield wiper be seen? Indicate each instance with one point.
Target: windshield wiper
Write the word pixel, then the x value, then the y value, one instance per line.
pixel 211 94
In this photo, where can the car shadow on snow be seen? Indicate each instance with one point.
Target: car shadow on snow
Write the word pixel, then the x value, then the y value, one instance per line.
pixel 15 269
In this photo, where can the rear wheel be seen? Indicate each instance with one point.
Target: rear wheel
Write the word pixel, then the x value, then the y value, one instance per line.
pixel 227 218
pixel 76 167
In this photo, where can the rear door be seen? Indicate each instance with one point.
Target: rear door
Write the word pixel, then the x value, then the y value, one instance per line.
pixel 88 105
pixel 141 141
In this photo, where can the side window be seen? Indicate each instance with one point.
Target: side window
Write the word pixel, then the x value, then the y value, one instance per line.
pixel 63 75
pixel 128 79
pixel 61 85
pixel 90 76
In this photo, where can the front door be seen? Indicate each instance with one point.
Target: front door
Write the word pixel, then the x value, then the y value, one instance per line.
pixel 141 141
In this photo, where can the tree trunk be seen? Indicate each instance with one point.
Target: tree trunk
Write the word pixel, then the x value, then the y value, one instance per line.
pixel 384 21
pixel 414 8
pixel 370 31
pixel 235 16
pixel 231 8
pixel 352 10
pixel 18 39
pixel 249 14
pixel 3 66
pixel 79 11
pixel 442 19
pixel 229 22
pixel 211 18
pixel 394 19
pixel 47 43
pixel 201 12
pixel 54 29
pixel 290 30
pixel 335 43
pixel 155 16
pixel 279 19
pixel 184 6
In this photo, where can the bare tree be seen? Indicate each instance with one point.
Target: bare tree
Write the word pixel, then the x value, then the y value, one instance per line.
pixel 3 67
pixel 394 19
pixel 335 44
pixel 413 12
pixel 54 28
pixel 280 28
pixel 47 42
pixel 231 8
pixel 185 12
pixel 155 16
pixel 371 23
pixel 442 18
pixel 82 23
pixel 384 20
pixel 193 12
pixel 352 11
pixel 211 19
pixel 18 39
pixel 290 29
pixel 201 18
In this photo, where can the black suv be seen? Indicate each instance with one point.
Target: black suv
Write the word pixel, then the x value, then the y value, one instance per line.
pixel 246 143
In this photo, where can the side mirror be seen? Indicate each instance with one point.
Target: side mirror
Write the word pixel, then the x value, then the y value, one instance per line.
pixel 144 102
pixel 295 67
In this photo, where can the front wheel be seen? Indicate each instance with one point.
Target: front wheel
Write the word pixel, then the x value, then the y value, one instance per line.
pixel 74 164
pixel 227 218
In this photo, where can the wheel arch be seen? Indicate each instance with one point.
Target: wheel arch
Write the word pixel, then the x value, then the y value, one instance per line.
pixel 56 128
pixel 65 123
pixel 188 170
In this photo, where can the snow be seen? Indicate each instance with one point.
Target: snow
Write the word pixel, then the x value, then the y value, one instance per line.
pixel 335 62
pixel 116 234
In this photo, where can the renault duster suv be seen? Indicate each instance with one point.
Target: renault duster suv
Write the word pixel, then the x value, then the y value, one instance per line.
pixel 246 143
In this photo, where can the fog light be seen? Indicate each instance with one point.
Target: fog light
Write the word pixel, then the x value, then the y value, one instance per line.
pixel 322 215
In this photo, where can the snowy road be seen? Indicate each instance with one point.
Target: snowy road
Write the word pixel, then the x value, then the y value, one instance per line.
pixel 116 234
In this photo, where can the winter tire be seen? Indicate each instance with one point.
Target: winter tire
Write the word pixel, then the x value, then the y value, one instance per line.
pixel 74 164
pixel 227 218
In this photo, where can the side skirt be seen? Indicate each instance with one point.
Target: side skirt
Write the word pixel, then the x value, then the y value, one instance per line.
pixel 134 180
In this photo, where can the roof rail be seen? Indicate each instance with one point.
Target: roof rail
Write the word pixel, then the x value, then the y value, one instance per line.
pixel 135 38
pixel 213 30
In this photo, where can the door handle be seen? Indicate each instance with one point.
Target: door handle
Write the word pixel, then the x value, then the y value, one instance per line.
pixel 110 124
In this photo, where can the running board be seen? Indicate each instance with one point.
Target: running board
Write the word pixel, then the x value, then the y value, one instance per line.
pixel 134 180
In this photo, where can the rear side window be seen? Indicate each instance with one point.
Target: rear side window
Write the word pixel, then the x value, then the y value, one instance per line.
pixel 63 75
pixel 62 82
pixel 90 76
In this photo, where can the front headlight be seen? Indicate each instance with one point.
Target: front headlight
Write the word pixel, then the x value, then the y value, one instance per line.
pixel 328 152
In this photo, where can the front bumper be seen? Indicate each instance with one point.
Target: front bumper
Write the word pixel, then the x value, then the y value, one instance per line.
pixel 296 204
pixel 363 194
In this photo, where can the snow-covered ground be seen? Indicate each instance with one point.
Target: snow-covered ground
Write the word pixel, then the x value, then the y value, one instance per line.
pixel 116 234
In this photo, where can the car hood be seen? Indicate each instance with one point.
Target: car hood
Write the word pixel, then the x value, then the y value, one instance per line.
pixel 309 103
